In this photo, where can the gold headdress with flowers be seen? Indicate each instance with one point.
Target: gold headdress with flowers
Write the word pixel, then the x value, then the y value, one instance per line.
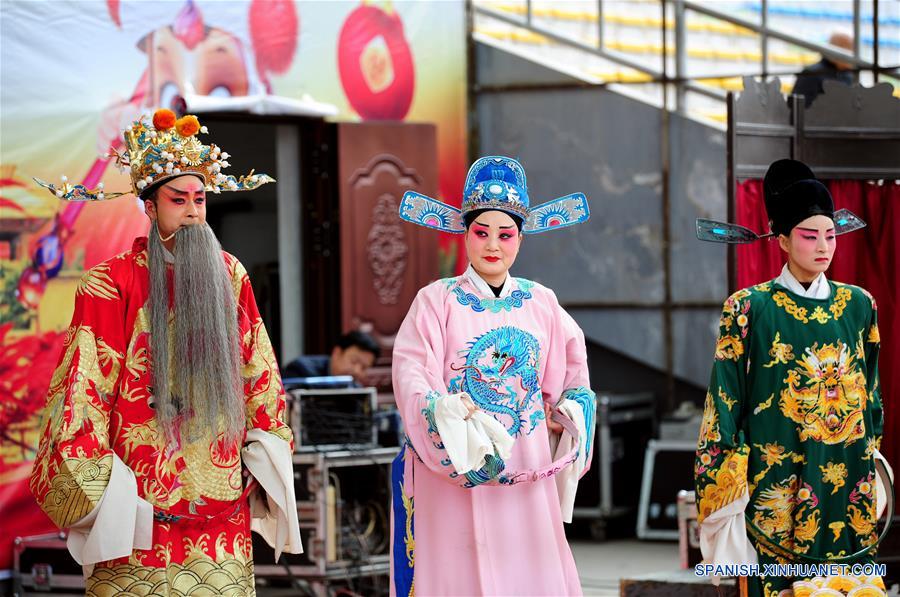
pixel 161 150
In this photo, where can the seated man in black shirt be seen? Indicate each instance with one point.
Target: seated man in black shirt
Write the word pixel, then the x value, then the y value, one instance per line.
pixel 809 82
pixel 354 353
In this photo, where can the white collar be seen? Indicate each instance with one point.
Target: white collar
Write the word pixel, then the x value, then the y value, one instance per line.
pixel 483 288
pixel 819 289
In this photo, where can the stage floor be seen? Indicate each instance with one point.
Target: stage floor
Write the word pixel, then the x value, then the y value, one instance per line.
pixel 602 565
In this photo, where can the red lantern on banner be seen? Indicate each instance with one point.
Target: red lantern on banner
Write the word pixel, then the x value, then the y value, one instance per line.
pixel 273 30
pixel 375 64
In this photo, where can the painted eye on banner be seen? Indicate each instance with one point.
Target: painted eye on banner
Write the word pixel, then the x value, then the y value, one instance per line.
pixel 220 91
pixel 375 64
pixel 167 95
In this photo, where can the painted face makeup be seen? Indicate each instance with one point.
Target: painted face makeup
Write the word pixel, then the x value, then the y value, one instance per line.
pixel 180 202
pixel 492 244
pixel 810 247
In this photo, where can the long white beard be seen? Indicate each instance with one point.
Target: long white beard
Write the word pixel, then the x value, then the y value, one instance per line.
pixel 197 384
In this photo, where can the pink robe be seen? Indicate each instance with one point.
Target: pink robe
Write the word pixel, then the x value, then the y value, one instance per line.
pixel 498 530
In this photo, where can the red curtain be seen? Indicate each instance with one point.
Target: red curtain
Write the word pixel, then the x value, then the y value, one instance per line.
pixel 867 258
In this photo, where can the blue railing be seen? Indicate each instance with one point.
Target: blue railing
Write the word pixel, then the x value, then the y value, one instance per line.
pixel 819 13
pixel 882 42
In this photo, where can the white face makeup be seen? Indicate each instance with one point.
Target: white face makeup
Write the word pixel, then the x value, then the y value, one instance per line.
pixel 810 247
pixel 492 244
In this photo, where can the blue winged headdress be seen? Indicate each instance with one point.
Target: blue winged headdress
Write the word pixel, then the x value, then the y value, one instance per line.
pixel 495 182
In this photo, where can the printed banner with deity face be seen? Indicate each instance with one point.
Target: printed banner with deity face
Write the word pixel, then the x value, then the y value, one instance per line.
pixel 75 73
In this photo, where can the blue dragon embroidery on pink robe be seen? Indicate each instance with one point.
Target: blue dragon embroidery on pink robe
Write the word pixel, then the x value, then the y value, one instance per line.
pixel 496 362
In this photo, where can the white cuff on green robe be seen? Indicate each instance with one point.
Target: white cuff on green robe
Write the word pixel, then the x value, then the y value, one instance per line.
pixel 120 523
pixel 723 536
pixel 270 461
pixel 468 441
pixel 880 491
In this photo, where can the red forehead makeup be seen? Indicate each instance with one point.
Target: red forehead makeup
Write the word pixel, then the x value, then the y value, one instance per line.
pixel 184 184
pixel 174 192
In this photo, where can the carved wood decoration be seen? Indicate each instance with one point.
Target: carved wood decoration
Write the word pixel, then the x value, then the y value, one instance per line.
pixel 384 261
pixel 852 132
pixel 849 132
pixel 761 128
pixel 388 250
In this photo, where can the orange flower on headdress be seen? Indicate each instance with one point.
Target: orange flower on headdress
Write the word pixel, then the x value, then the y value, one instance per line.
pixel 187 125
pixel 163 119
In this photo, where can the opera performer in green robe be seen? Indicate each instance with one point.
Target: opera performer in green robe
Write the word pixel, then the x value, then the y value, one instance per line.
pixel 785 466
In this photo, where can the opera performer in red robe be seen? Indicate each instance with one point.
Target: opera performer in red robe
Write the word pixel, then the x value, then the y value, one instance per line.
pixel 164 441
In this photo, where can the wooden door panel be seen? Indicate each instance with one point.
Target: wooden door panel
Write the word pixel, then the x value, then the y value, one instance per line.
pixel 384 261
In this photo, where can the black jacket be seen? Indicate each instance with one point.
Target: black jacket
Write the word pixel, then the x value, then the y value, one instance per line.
pixel 308 366
pixel 809 81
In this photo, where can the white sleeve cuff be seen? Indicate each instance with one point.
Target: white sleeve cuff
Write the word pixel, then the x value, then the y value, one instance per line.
pixel 567 478
pixel 270 461
pixel 723 535
pixel 120 523
pixel 468 441
pixel 880 492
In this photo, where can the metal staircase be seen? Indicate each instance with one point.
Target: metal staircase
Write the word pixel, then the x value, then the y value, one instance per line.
pixel 708 46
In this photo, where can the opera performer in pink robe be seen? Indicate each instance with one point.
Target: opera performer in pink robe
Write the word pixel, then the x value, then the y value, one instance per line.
pixel 491 379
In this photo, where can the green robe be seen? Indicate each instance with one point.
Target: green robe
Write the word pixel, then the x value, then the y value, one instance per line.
pixel 793 415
